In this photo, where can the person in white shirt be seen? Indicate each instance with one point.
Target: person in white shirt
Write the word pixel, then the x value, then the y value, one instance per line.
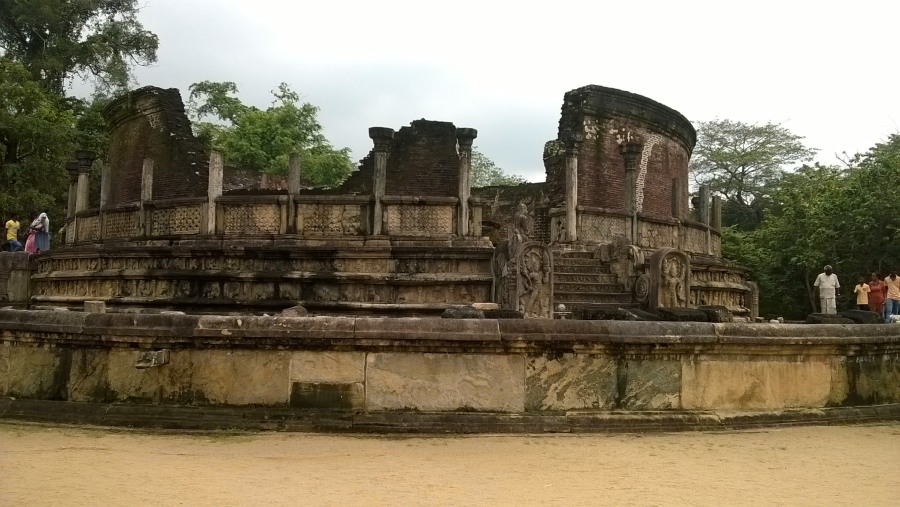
pixel 829 288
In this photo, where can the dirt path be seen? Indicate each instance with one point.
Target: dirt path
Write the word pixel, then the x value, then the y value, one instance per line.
pixel 50 465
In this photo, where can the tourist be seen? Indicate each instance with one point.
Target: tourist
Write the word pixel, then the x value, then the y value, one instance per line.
pixel 41 230
pixel 12 234
pixel 829 289
pixel 862 291
pixel 876 296
pixel 892 296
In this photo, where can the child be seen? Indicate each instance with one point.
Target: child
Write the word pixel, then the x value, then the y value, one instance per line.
pixel 862 291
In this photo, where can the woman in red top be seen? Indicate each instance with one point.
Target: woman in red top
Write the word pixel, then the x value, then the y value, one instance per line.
pixel 876 297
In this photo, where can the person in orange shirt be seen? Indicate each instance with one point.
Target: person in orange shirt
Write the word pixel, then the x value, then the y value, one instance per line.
pixel 862 291
pixel 876 296
pixel 892 296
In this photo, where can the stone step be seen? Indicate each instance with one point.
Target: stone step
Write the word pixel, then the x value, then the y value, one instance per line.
pixel 569 261
pixel 575 255
pixel 586 269
pixel 582 278
pixel 587 287
pixel 570 298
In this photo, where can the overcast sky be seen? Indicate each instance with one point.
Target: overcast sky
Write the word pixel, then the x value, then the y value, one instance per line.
pixel 825 70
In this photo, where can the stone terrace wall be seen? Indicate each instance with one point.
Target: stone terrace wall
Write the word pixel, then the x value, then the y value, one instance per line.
pixel 442 365
pixel 151 123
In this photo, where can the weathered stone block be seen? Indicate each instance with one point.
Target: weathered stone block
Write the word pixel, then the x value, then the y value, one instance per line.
pixel 503 313
pixel 716 313
pixel 462 312
pixel 875 379
pixel 826 318
pixel 241 377
pixel 36 372
pixel 328 396
pixel 328 367
pixel 295 311
pixel 650 384
pixel 862 316
pixel 95 307
pixel 570 382
pixel 88 376
pixel 682 314
pixel 396 381
pixel 127 383
pixel 761 384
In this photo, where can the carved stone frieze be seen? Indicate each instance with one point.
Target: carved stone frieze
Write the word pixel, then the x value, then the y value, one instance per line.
pixel 601 228
pixel 252 219
pixel 179 220
pixel 331 219
pixel 121 224
pixel 419 220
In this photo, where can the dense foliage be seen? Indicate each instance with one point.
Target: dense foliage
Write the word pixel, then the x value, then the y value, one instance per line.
pixel 263 140
pixel 485 172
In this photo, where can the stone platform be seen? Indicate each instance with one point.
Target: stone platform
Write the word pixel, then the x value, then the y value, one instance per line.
pixel 421 374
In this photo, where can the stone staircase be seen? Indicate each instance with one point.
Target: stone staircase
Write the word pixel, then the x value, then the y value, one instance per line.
pixel 579 280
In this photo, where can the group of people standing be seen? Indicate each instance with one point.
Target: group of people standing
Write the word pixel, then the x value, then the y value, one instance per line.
pixel 37 240
pixel 876 295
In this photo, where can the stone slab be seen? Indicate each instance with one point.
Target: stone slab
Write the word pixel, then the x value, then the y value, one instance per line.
pixel 570 382
pixel 312 395
pixel 752 384
pixel 397 381
pixel 328 367
pixel 35 372
pixel 650 384
pixel 241 377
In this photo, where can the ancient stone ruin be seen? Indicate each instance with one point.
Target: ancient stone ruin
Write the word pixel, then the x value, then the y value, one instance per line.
pixel 609 230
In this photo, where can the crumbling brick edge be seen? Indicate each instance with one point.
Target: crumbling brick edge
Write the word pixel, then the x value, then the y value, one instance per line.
pixel 254 418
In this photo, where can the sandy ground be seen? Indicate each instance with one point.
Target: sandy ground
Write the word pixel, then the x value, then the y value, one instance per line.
pixel 52 465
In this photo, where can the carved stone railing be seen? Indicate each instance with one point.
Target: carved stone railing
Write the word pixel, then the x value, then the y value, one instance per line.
pixel 600 225
pixel 181 217
pixel 332 215
pixel 420 216
pixel 252 215
pixel 87 226
pixel 121 222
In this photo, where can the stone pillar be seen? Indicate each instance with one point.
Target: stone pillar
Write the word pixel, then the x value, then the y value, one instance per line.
pixel 703 208
pixel 464 137
pixel 679 194
pixel 84 159
pixel 146 195
pixel 293 191
pixel 72 169
pixel 213 189
pixel 104 185
pixel 716 219
pixel 631 153
pixel 382 136
pixel 573 147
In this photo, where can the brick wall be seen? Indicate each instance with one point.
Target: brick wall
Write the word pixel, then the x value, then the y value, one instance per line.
pixel 151 123
pixel 605 117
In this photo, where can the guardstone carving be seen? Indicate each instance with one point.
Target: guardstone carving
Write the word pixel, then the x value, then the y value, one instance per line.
pixel 670 279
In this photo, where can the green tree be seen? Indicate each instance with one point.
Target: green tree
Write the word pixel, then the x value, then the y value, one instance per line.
pixel 58 39
pixel 740 161
pixel 37 136
pixel 263 140
pixel 485 172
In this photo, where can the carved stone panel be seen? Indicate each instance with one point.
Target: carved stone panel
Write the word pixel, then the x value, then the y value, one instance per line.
pixel 419 220
pixel 534 283
pixel 670 279
pixel 180 220
pixel 330 219
pixel 89 228
pixel 121 224
pixel 601 228
pixel 252 219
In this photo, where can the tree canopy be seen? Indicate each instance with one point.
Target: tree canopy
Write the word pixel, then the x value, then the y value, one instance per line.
pixel 57 39
pixel 740 161
pixel 817 215
pixel 485 172
pixel 263 140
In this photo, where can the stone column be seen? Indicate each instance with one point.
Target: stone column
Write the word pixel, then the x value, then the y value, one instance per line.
pixel 703 211
pixel 631 153
pixel 213 189
pixel 146 195
pixel 84 159
pixel 679 193
pixel 72 169
pixel 382 136
pixel 716 219
pixel 104 185
pixel 573 148
pixel 465 137
pixel 293 191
